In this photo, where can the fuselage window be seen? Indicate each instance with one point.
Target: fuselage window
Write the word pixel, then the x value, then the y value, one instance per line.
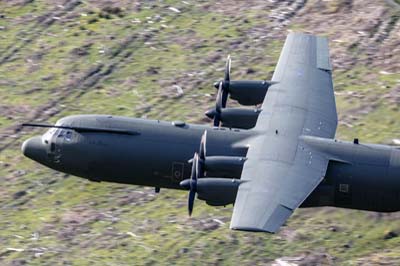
pixel 61 133
pixel 344 188
pixel 68 136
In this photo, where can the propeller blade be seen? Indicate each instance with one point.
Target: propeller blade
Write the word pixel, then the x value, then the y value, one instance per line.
pixel 202 149
pixel 191 198
pixel 227 77
pixel 216 114
pixel 193 173
pixel 193 182
pixel 224 97
pixel 216 120
pixel 199 169
pixel 219 100
pixel 224 84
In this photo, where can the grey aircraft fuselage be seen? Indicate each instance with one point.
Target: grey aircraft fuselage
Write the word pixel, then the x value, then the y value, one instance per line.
pixel 359 176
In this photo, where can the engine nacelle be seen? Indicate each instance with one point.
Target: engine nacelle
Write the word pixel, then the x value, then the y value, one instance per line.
pixel 235 117
pixel 239 117
pixel 248 92
pixel 224 166
pixel 215 191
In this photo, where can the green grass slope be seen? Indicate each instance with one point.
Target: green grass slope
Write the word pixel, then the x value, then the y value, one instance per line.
pixel 126 58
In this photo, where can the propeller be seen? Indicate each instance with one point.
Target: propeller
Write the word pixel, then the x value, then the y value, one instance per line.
pixel 222 95
pixel 216 113
pixel 196 173
pixel 225 82
pixel 193 182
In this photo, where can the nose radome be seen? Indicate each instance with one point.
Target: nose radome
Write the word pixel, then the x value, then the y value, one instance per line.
pixel 23 147
pixel 34 149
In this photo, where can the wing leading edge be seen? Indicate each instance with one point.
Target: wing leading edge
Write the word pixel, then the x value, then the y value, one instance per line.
pixel 281 170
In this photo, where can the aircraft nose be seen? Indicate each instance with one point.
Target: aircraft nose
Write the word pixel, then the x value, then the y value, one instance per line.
pixel 34 149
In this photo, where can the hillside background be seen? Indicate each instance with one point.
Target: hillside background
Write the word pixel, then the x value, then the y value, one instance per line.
pixel 127 58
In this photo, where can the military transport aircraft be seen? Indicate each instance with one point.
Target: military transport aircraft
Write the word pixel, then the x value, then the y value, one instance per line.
pixel 266 161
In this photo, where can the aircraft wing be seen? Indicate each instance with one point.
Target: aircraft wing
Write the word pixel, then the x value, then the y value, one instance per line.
pixel 281 170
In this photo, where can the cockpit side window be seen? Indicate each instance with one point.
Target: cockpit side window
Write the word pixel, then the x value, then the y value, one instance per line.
pixel 68 136
pixel 61 133
pixel 58 135
pixel 65 135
